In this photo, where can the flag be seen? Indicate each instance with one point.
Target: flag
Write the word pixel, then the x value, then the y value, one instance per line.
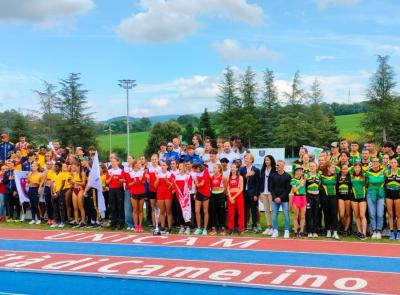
pixel 95 182
pixel 184 199
pixel 20 183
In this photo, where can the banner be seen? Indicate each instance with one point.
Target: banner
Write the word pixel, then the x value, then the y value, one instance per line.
pixel 21 184
pixel 184 200
pixel 314 151
pixel 259 154
pixel 94 181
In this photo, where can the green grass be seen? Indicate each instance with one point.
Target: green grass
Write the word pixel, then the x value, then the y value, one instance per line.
pixel 350 125
pixel 138 142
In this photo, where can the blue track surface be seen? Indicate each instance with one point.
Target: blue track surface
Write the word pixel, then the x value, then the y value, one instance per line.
pixel 262 257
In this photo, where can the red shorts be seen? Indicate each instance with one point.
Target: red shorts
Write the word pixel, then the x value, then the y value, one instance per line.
pixel 300 201
pixel 162 196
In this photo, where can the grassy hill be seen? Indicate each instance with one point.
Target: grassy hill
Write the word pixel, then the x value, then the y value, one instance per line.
pixel 138 142
pixel 350 125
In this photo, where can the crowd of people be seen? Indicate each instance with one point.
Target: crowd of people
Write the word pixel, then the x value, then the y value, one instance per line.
pixel 209 190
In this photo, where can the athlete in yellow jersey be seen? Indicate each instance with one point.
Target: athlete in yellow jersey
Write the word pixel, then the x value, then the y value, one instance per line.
pixel 34 180
pixel 78 195
pixel 58 196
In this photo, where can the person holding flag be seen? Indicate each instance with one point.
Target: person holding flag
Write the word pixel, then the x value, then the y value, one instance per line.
pixel 183 183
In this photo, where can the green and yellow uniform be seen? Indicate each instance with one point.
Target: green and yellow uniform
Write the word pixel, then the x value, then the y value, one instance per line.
pixel 392 182
pixel 376 183
pixel 355 158
pixel 329 184
pixel 358 187
pixel 365 166
pixel 312 182
pixel 343 187
pixel 301 191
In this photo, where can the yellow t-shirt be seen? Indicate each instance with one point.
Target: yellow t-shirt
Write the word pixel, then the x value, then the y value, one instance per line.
pixel 77 177
pixel 57 180
pixel 41 160
pixel 49 175
pixel 34 178
pixel 68 179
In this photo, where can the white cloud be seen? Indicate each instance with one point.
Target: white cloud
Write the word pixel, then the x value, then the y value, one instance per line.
pixel 322 4
pixel 168 20
pixel 159 102
pixel 43 13
pixel 230 50
pixel 395 49
pixel 319 58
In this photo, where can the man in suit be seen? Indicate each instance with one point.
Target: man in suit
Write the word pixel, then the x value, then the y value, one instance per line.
pixel 251 190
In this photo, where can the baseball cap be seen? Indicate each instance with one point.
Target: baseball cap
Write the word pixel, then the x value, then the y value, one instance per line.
pixel 298 167
pixel 334 144
pixel 170 144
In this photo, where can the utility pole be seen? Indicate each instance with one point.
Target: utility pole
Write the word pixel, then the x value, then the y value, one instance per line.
pixel 127 85
pixel 109 131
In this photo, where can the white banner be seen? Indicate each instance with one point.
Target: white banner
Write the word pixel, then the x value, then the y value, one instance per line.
pixel 21 184
pixel 95 182
pixel 259 154
pixel 314 151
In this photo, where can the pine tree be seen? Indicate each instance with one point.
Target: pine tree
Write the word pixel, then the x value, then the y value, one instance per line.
pixel 77 126
pixel 19 127
pixel 382 101
pixel 205 125
pixel 247 124
pixel 268 113
pixel 189 131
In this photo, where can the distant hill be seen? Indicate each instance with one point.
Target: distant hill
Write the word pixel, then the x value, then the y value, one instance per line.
pixel 153 119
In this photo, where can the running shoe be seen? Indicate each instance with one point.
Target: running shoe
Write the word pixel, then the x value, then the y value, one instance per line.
pixel 335 235
pixel 54 225
pixel 286 234
pixel 38 221
pixel 213 232
pixel 222 233
pixel 378 235
pixel 187 230
pixel 295 235
pixel 198 231
pixel 302 235
pixel 329 234
pixel 310 235
pixel 315 235
pixel 363 237
pixel 374 235
pixel 204 233
pixel 275 234
pixel 392 236
pixel 61 225
pixel 182 230
pixel 32 222
pixel 163 231
pixel 255 230
pixel 398 235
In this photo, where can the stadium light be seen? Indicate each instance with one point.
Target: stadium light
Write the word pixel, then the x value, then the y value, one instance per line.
pixel 127 85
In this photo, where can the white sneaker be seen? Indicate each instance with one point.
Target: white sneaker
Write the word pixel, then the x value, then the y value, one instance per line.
pixel 187 231
pixel 181 230
pixel 315 235
pixel 204 232
pixel 335 235
pixel 275 233
pixel 61 225
pixel 329 234
pixel 378 235
pixel 38 221
pixel 310 235
pixel 54 225
pixel 286 235
pixel 374 235
pixel 129 228
pixel 32 222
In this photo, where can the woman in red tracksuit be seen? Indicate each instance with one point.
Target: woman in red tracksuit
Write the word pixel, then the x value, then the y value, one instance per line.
pixel 115 179
pixel 235 199
pixel 135 181
pixel 183 184
pixel 164 185
pixel 203 185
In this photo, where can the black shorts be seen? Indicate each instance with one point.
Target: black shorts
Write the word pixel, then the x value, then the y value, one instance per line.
pixel 358 200
pixel 151 195
pixel 201 198
pixel 393 195
pixel 344 197
pixel 138 197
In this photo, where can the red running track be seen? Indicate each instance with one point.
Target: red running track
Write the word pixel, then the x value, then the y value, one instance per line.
pixel 260 244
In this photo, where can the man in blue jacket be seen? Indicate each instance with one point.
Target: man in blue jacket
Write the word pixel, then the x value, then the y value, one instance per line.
pixel 170 154
pixel 5 147
pixel 191 156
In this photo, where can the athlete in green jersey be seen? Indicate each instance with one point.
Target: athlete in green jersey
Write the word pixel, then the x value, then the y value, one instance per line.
pixel 358 201
pixel 329 201
pixel 376 197
pixel 343 188
pixel 392 183
pixel 299 202
pixel 355 155
pixel 313 182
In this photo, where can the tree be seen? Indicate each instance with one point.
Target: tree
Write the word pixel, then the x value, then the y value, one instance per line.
pixel 381 98
pixel 296 95
pixel 189 131
pixel 49 110
pixel 161 132
pixel 77 126
pixel 185 119
pixel 268 113
pixel 315 96
pixel 19 127
pixel 246 125
pixel 205 123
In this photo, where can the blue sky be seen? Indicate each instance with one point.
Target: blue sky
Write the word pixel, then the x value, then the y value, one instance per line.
pixel 177 49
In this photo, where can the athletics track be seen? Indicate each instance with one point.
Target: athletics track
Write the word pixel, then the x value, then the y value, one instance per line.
pixel 60 262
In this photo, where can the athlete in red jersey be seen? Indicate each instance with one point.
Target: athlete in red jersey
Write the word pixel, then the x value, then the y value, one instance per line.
pixel 115 179
pixel 135 183
pixel 203 182
pixel 217 201
pixel 151 178
pixel 235 199
pixel 164 183
pixel 183 183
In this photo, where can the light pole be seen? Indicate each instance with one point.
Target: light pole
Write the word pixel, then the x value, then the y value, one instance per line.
pixel 127 85
pixel 204 131
pixel 109 130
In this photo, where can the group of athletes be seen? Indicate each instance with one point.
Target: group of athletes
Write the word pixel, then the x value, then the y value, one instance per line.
pixel 209 190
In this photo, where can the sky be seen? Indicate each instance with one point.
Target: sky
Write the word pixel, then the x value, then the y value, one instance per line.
pixel 177 50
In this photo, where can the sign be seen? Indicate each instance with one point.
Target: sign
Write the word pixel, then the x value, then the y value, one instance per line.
pixel 259 155
pixel 21 184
